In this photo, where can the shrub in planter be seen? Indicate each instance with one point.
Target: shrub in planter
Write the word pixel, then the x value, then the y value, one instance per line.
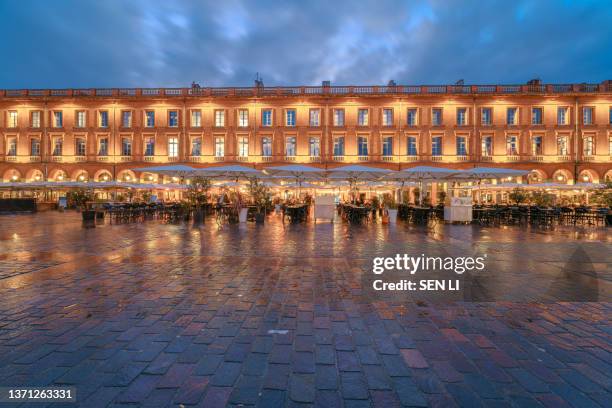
pixel 197 195
pixel 260 194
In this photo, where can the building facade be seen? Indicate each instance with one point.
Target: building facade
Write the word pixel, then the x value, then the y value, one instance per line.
pixel 563 133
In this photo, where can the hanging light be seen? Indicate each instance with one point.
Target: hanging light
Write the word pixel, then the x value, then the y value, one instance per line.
pixel 585 178
pixel 15 177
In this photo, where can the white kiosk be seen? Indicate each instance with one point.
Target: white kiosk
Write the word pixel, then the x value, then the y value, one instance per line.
pixel 324 207
pixel 459 210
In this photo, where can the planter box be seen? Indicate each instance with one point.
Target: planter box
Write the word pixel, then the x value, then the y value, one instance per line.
pixel 88 215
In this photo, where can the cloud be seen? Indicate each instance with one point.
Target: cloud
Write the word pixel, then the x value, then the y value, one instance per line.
pixel 69 43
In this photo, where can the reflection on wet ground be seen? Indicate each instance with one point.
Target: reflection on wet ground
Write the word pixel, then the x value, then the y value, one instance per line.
pixel 159 314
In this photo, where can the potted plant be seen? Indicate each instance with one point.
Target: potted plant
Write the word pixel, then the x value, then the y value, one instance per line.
pixel 518 196
pixel 239 212
pixel 390 209
pixel 197 194
pixel 260 195
pixel 375 205
pixel 80 197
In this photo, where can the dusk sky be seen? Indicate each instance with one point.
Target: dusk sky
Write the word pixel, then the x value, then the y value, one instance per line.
pixel 144 43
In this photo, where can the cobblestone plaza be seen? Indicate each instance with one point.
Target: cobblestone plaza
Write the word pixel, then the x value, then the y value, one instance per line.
pixel 154 314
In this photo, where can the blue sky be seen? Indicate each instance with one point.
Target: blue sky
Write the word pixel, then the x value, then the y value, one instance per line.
pixel 121 43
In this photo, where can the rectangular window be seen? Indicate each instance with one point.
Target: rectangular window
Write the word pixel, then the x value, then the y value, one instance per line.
pixel 266 146
pixel 173 118
pixel 610 145
pixel 36 119
pixel 149 146
pixel 126 146
pixel 411 146
pixel 536 145
pixel 81 119
pixel 436 117
pixel 387 118
pixel 79 147
pixel 149 119
pixel 266 117
pixel 610 118
pixel 436 146
pixel 103 149
pixel 339 117
pixel 290 117
pixel 35 147
pixel 11 146
pixel 511 146
pixel 58 146
pixel 219 146
pixel 339 146
pixel 219 118
pixel 487 146
pixel 12 119
pixel 243 118
pixel 411 118
pixel 196 119
pixel 196 146
pixel 103 119
pixel 461 116
pixel 486 118
pixel 587 115
pixel 363 118
pixel 243 146
pixel 562 116
pixel 461 146
pixel 512 116
pixel 536 116
pixel 587 146
pixel 290 146
pixel 362 145
pixel 562 146
pixel 126 119
pixel 314 147
pixel 58 119
pixel 173 147
pixel 315 117
pixel 387 146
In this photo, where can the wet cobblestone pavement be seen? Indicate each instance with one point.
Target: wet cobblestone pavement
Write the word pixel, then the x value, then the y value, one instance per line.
pixel 153 314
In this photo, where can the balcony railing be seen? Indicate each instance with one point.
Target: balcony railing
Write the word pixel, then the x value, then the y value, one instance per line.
pixel 57 159
pixel 125 158
pixel 315 159
pixel 173 158
pixel 604 87
pixel 219 158
pixel 242 158
pixel 290 158
pixel 387 158
pixel 590 158
pixel 363 158
pixel 102 159
pixel 195 159
pixel 148 158
pixel 34 159
pixel 338 158
pixel 11 158
pixel 536 158
pixel 266 158
pixel 410 158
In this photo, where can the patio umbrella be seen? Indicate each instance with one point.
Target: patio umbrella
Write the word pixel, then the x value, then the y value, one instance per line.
pixel 175 170
pixel 299 172
pixel 354 173
pixel 479 173
pixel 421 174
pixel 232 172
